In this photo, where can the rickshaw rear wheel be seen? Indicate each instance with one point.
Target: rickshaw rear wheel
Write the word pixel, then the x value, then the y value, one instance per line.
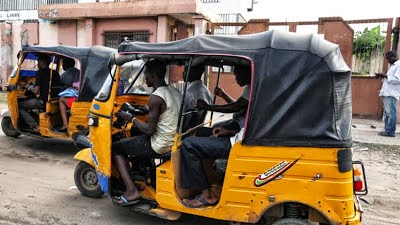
pixel 291 221
pixel 8 128
pixel 86 180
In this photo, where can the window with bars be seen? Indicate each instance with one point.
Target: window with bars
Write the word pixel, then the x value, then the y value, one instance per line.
pixel 114 38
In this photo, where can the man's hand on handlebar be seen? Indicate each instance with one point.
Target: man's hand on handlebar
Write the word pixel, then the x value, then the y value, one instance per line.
pixel 124 115
pixel 144 108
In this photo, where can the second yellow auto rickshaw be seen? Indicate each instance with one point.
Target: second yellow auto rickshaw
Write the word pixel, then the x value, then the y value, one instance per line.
pixel 294 164
pixel 93 64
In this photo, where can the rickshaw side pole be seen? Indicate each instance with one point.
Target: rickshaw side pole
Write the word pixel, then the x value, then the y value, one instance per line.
pixel 215 96
pixel 51 77
pixel 186 78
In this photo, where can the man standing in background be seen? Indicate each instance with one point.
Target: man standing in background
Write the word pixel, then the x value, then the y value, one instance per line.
pixel 390 92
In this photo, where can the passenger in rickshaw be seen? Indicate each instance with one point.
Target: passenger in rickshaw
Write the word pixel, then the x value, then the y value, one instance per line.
pixel 195 90
pixel 158 132
pixel 41 88
pixel 238 107
pixel 70 83
pixel 193 151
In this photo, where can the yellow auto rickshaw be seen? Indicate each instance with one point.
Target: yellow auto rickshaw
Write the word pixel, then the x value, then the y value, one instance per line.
pixel 294 164
pixel 93 64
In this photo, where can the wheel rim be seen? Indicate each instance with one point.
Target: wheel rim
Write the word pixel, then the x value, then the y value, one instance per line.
pixel 89 179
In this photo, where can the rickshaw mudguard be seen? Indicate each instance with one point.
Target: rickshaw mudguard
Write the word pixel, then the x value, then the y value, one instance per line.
pixel 85 155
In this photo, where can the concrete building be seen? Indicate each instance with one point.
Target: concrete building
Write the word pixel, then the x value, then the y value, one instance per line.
pixel 96 22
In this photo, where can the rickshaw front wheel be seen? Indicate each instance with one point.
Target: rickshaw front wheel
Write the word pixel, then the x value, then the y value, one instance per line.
pixel 8 128
pixel 86 180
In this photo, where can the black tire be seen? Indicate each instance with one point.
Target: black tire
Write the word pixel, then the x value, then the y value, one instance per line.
pixel 86 180
pixel 8 128
pixel 291 221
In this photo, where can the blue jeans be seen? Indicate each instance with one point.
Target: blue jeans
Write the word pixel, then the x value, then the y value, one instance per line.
pixel 390 114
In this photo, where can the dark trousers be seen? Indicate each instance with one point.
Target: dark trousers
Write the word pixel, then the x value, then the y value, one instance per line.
pixel 193 151
pixel 30 104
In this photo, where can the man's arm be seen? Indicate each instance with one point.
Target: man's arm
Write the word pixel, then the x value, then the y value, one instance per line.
pixel 156 107
pixel 221 93
pixel 241 103
pixel 35 89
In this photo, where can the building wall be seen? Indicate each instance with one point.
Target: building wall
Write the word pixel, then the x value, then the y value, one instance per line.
pixel 365 97
pixel 48 34
pixel 337 31
pixel 29 33
pixel 6 52
pixel 67 32
pixel 81 40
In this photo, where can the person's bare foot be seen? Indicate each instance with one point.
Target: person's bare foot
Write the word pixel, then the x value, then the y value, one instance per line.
pixel 64 128
pixel 201 201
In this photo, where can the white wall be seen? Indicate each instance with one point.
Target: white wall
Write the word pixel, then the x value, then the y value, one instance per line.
pixel 48 34
pixel 16 40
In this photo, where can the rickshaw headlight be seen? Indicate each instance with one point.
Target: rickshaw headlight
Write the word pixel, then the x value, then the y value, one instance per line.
pixel 93 121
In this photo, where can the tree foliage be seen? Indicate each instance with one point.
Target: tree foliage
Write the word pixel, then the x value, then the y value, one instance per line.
pixel 367 42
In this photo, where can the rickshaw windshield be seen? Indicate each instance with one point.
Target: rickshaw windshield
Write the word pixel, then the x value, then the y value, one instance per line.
pixel 105 90
pixel 131 81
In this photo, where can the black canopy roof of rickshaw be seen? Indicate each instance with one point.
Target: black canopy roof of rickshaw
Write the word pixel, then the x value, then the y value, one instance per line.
pixel 94 64
pixel 300 90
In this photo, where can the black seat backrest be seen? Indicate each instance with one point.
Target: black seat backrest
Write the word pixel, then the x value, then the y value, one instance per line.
pixel 193 119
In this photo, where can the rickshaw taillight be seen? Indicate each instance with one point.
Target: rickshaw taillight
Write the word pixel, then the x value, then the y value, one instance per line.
pixel 359 180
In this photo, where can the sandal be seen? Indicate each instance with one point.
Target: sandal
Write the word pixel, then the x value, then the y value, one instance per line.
pixel 200 199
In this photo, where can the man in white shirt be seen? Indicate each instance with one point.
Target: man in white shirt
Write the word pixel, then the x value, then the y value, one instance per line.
pixel 390 93
pixel 193 151
pixel 195 90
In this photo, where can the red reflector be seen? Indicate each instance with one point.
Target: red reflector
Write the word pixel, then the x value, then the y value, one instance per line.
pixel 358 185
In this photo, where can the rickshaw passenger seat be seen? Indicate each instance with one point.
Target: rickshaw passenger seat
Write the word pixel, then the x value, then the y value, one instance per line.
pixel 193 119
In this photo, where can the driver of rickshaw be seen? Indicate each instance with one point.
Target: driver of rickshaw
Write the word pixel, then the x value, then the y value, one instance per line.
pixel 158 131
pixel 237 107
pixel 41 88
